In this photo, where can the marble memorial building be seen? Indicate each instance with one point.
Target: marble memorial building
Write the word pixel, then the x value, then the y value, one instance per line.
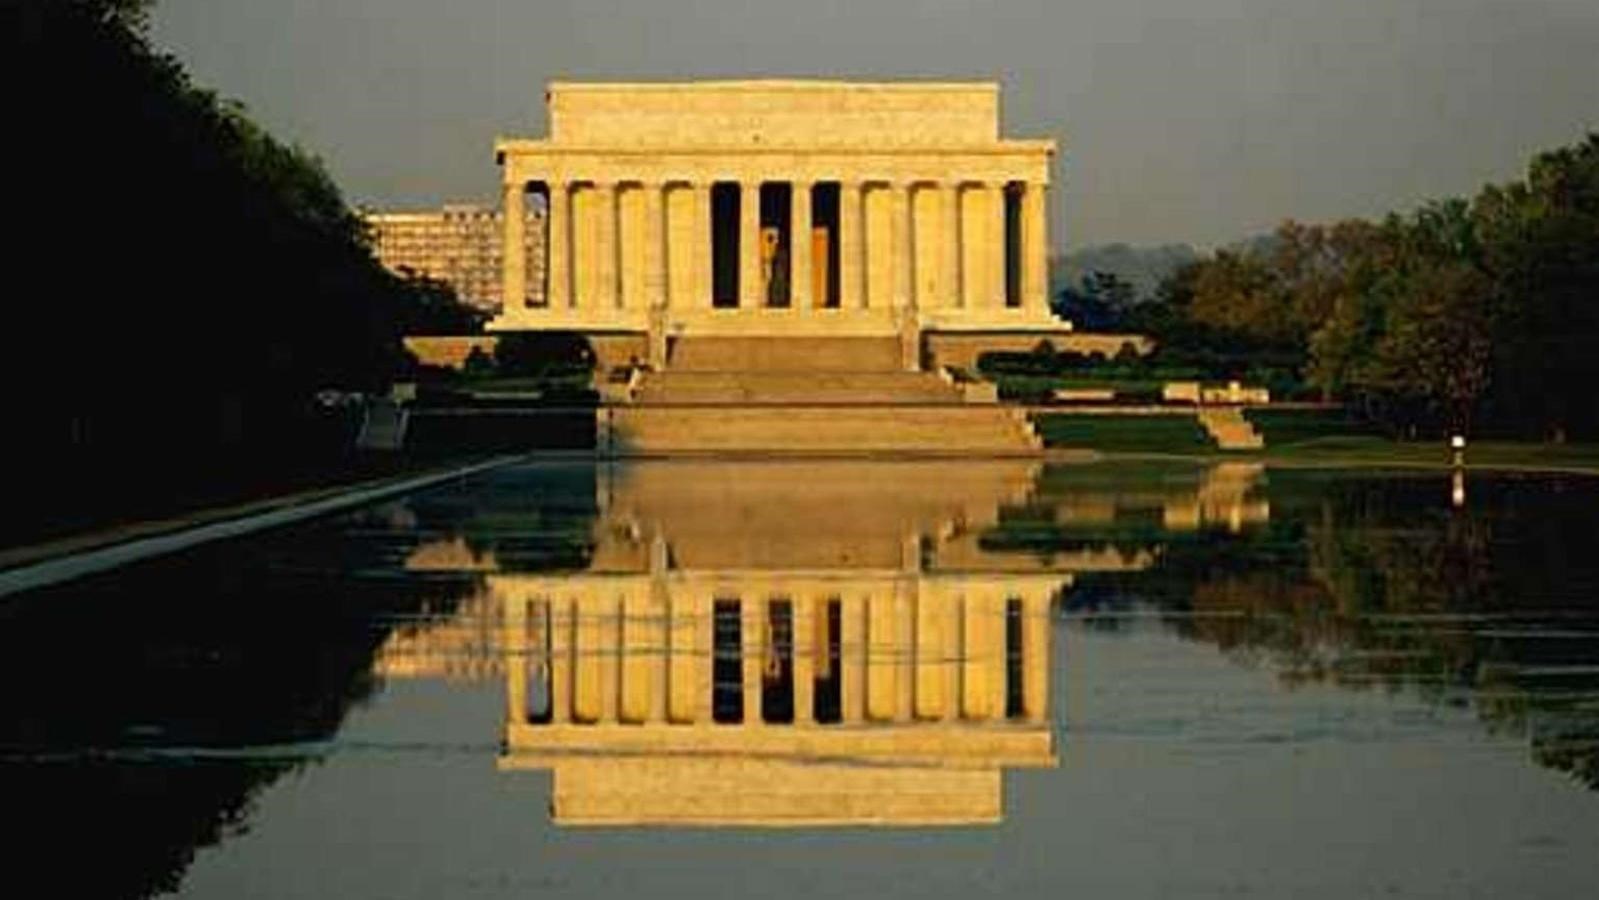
pixel 793 227
pixel 781 208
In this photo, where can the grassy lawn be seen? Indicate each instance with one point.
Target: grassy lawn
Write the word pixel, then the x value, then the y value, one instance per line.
pixel 1300 437
pixel 1125 434
pixel 500 385
pixel 1374 450
pixel 1283 428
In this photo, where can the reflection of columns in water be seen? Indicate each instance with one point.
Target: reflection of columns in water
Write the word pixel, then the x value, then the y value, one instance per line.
pixel 852 656
pixel 752 633
pixel 639 649
pixel 805 657
pixel 659 694
pixel 560 668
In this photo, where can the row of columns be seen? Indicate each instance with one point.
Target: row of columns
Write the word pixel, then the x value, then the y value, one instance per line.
pixel 986 252
pixel 901 660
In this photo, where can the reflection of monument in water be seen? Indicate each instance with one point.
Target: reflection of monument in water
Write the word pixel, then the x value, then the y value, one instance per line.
pixel 782 644
pixel 765 646
pixel 793 643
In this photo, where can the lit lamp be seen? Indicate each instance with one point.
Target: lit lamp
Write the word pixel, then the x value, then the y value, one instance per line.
pixel 1457 486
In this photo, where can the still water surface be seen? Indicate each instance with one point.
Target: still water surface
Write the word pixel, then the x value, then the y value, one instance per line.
pixel 824 679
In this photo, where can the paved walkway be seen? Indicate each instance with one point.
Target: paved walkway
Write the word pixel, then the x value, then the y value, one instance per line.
pixel 42 565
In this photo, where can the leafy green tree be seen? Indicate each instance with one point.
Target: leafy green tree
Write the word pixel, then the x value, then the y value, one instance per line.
pixel 208 278
pixel 1540 242
pixel 1438 346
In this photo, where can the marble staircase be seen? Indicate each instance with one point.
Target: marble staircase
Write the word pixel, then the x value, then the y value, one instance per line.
pixel 787 388
pixel 1229 429
pixel 817 430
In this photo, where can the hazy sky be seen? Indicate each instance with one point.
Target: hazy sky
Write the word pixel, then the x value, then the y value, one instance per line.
pixel 1179 120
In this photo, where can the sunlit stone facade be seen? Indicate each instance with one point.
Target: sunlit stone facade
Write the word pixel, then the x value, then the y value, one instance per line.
pixel 779 209
pixel 802 644
pixel 738 658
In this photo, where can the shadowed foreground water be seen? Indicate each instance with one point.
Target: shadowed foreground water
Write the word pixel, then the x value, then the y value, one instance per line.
pixel 917 679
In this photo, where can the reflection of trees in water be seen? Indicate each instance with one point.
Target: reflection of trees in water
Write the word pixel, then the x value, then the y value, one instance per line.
pixel 526 519
pixel 1375 583
pixel 134 707
pixel 146 709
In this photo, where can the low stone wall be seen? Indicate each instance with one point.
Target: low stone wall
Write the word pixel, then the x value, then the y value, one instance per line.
pixel 963 350
pixel 925 429
pixel 1231 394
pixel 812 354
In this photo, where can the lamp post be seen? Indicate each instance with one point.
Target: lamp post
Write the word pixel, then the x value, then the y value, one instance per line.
pixel 1457 485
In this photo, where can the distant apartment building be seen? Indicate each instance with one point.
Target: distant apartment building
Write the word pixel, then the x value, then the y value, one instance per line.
pixel 458 244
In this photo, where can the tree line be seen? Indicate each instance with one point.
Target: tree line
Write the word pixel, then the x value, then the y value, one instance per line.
pixel 1475 314
pixel 183 283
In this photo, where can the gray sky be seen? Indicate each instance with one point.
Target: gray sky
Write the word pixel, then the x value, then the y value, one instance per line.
pixel 1179 120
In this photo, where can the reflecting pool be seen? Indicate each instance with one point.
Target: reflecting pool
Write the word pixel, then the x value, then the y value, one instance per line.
pixel 828 678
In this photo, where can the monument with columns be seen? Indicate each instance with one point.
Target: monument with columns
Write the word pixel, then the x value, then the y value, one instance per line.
pixel 794 643
pixel 774 651
pixel 726 239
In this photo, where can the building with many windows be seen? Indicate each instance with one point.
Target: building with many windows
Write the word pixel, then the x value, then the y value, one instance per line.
pixel 459 244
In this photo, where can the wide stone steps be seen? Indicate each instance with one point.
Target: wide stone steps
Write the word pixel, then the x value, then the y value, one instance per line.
pixel 1229 429
pixel 673 387
pixel 802 430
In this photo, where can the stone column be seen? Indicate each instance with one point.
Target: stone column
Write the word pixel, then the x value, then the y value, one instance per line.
pixel 660 671
pixel 701 244
pixel 655 272
pixel 1035 247
pixel 799 251
pixel 983 635
pixel 852 660
pixel 704 615
pixel 804 652
pixel 882 656
pixel 1038 628
pixel 519 656
pixel 513 252
pixel 562 625
pixel 588 659
pixel 994 274
pixel 558 220
pixel 751 291
pixel 999 669
pixel 608 625
pixel 904 236
pixel 752 633
pixel 686 693
pixel 950 264
pixel 953 649
pixel 605 247
pixel 905 611
pixel 851 242
pixel 904 250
